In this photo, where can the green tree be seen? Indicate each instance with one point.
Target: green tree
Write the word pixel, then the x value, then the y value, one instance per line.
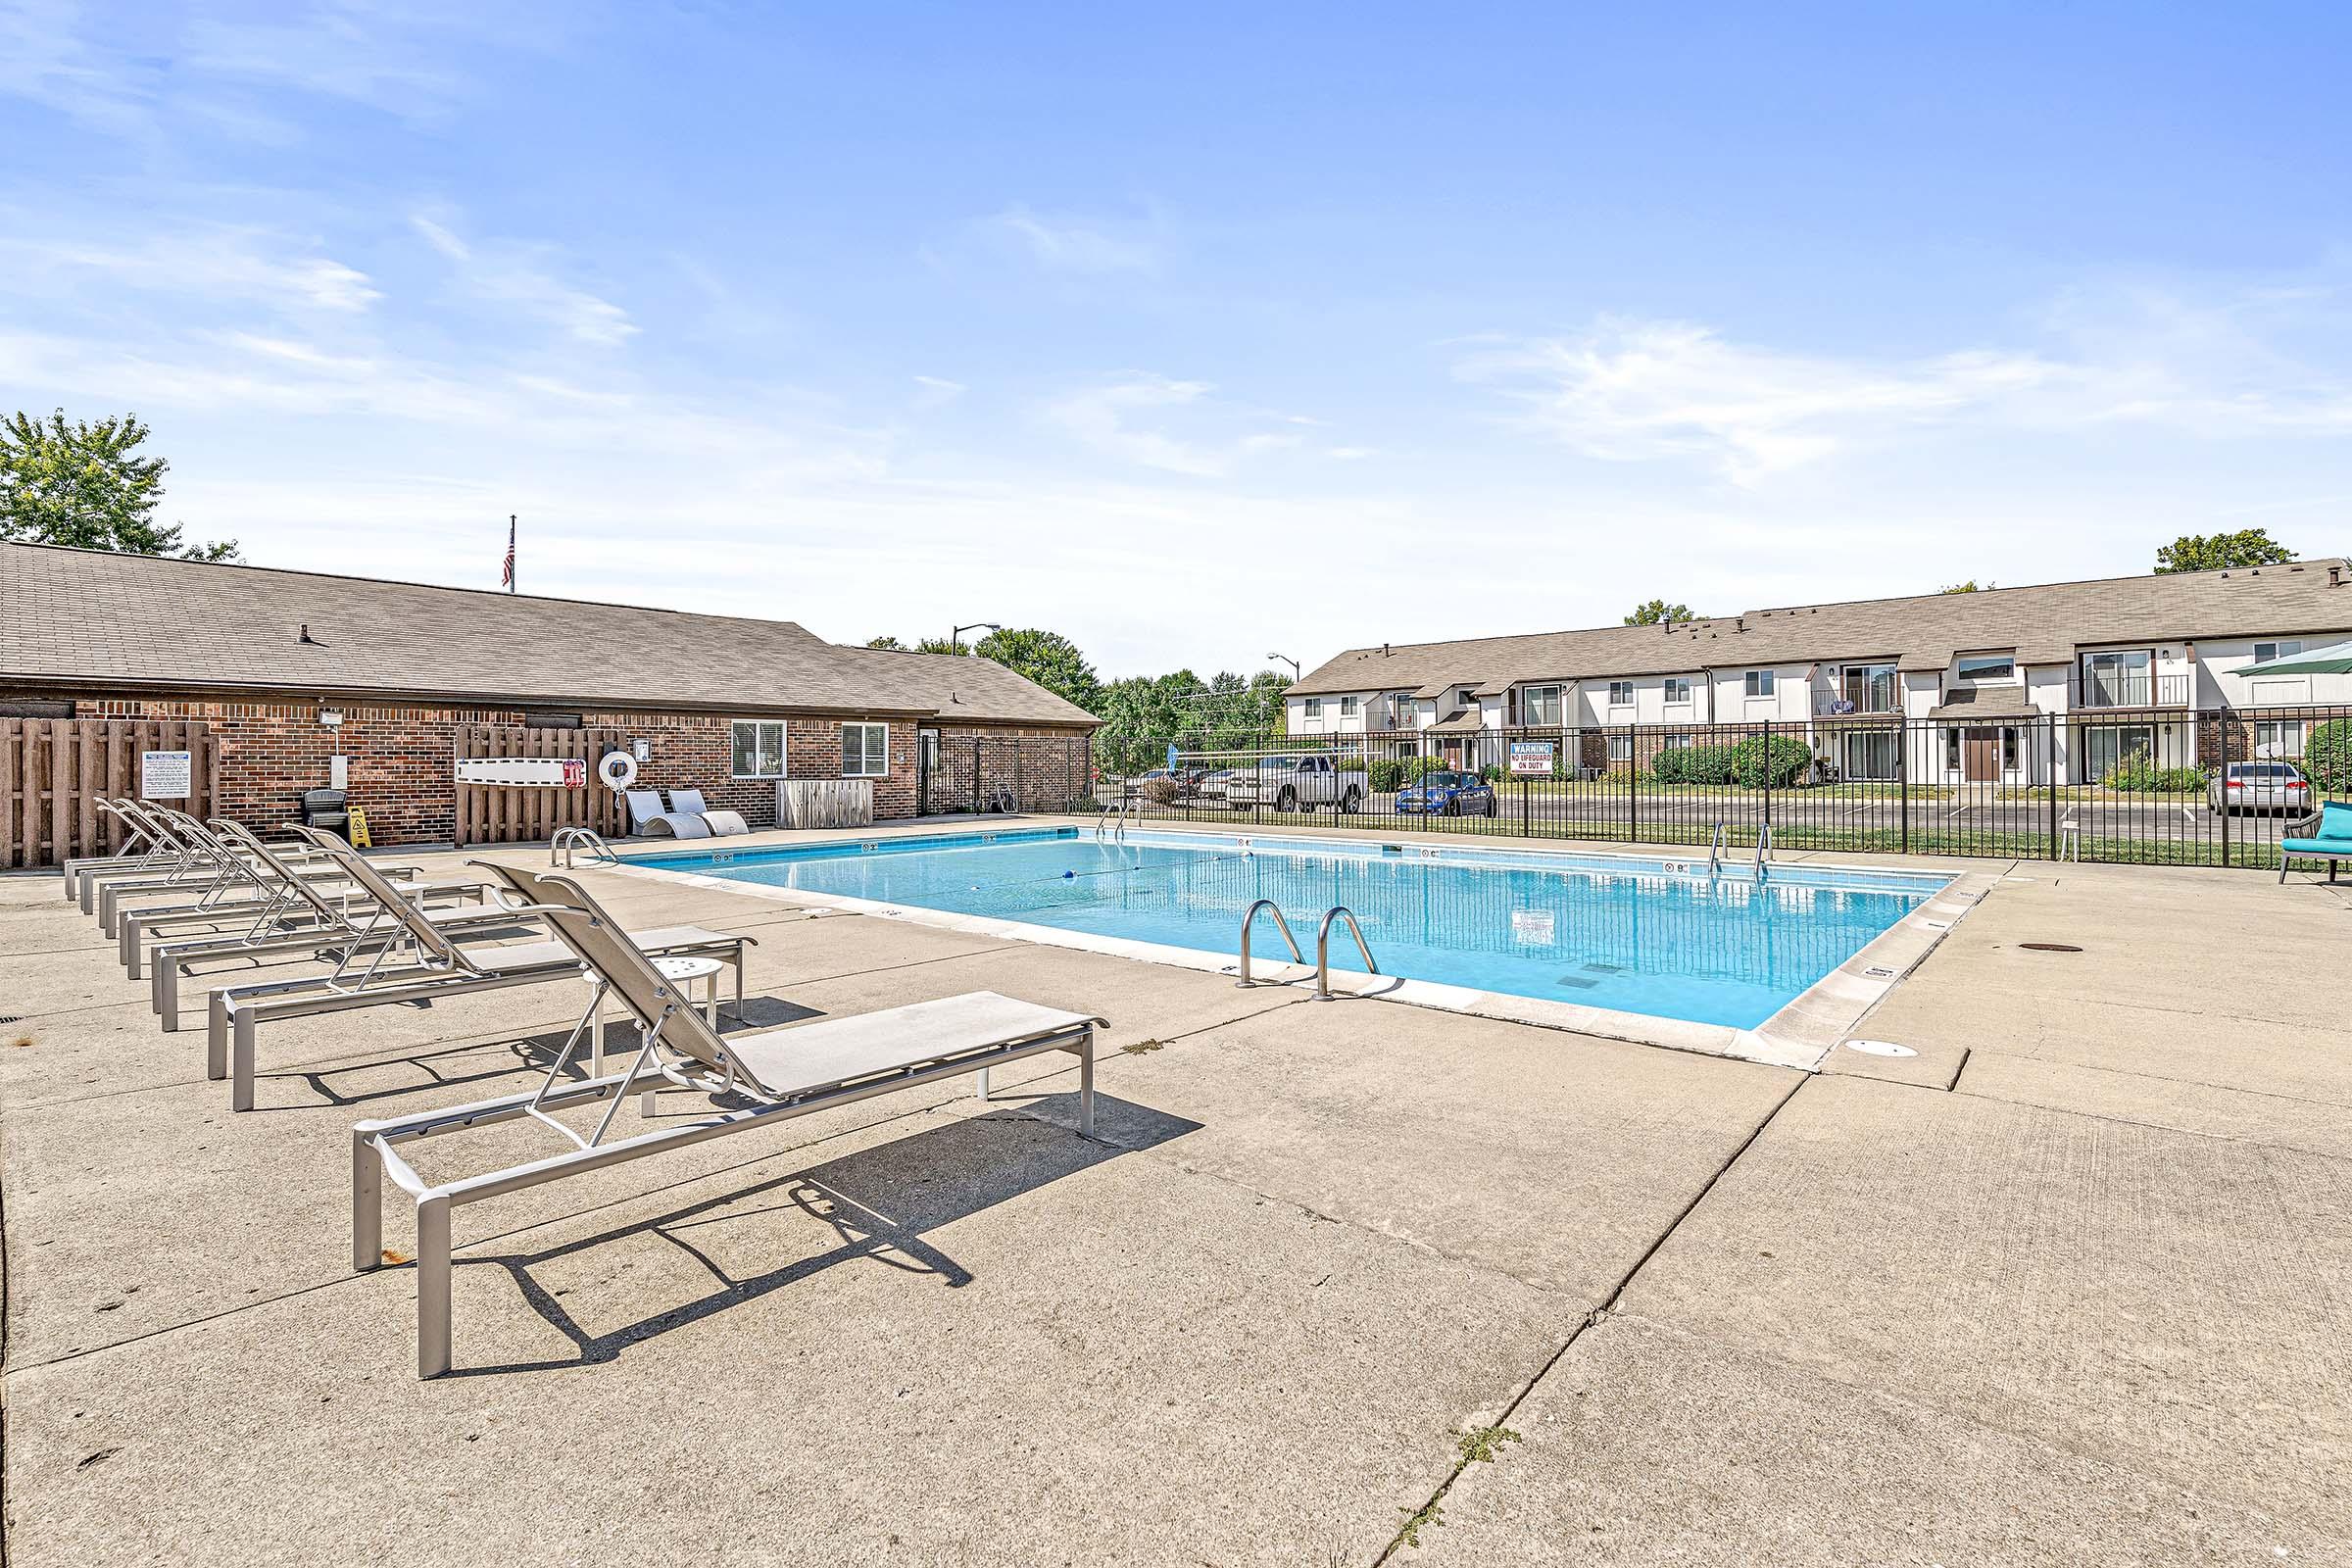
pixel 940 645
pixel 1971 586
pixel 1047 657
pixel 85 485
pixel 2215 552
pixel 887 643
pixel 1658 610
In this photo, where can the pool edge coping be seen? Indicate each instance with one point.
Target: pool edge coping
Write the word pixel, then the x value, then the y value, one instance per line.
pixel 1800 1035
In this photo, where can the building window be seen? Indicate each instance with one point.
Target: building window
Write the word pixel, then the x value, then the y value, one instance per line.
pixel 1951 750
pixel 1992 666
pixel 1678 689
pixel 1676 742
pixel 2277 737
pixel 1315 707
pixel 1621 694
pixel 865 751
pixel 1621 749
pixel 2107 747
pixel 1868 688
pixel 1540 705
pixel 551 722
pixel 1871 756
pixel 758 748
pixel 1760 683
pixel 2009 748
pixel 2264 652
pixel 1347 707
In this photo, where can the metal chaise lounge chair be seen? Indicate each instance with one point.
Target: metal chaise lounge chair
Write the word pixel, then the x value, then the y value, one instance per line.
pixel 141 850
pixel 240 884
pixel 438 967
pixel 171 862
pixel 348 928
pixel 2331 843
pixel 783 1073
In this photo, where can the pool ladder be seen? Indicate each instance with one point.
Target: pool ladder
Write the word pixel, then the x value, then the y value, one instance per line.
pixel 569 839
pixel 1114 824
pixel 1763 850
pixel 1715 850
pixel 1338 912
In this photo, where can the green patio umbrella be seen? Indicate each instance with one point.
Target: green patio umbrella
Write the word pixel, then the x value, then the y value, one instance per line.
pixel 2334 659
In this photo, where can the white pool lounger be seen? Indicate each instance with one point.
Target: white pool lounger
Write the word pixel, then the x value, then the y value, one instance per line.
pixel 785 1072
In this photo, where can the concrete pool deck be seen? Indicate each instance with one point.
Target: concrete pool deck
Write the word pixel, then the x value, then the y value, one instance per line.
pixel 2074 1283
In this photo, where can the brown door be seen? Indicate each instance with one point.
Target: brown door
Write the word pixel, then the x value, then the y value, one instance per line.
pixel 1981 756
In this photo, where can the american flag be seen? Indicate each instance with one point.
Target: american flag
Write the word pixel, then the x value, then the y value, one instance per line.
pixel 506 581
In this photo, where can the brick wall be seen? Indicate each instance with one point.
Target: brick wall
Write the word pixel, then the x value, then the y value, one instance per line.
pixel 1044 769
pixel 400 757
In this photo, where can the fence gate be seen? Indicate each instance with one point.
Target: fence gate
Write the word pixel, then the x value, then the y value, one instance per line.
pixel 501 813
pixel 53 773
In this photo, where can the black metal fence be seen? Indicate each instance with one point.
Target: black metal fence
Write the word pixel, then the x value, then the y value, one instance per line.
pixel 2160 786
pixel 1004 773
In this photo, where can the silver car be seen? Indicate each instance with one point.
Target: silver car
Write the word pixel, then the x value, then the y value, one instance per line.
pixel 2260 786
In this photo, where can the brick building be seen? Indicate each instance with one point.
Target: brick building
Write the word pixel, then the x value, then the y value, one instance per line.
pixel 288 669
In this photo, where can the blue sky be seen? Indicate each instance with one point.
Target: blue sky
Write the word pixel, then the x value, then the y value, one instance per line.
pixel 1203 333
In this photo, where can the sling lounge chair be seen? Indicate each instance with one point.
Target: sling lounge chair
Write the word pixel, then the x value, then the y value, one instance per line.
pixel 313 926
pixel 723 824
pixel 240 885
pixel 782 1073
pixel 140 851
pixel 439 967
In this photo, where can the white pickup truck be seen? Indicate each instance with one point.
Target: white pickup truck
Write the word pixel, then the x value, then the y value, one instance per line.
pixel 1297 784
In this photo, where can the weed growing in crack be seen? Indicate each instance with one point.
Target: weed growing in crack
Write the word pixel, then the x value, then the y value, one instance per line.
pixel 1480 1442
pixel 1416 1520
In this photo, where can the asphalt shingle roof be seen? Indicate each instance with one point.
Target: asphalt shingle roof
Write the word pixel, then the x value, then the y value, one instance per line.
pixel 2043 625
pixel 94 618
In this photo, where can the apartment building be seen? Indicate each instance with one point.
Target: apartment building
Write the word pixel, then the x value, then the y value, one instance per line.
pixel 2054 682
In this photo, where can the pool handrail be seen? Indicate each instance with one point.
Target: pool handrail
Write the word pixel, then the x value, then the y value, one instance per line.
pixel 1322 991
pixel 1280 924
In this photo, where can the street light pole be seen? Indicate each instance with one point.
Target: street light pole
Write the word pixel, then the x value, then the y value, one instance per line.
pixel 956 637
pixel 1293 663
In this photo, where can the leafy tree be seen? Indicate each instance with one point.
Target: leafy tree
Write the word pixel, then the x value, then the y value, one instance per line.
pixel 886 642
pixel 1968 587
pixel 2214 552
pixel 84 485
pixel 1657 611
pixel 1047 657
pixel 940 645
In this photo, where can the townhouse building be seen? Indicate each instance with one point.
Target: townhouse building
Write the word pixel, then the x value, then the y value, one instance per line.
pixel 2052 683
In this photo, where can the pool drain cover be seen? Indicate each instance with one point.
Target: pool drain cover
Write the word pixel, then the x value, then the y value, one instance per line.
pixel 1880 1048
pixel 1577 982
pixel 2049 947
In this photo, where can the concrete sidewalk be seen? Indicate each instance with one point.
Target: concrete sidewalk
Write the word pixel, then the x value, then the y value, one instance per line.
pixel 2073 1284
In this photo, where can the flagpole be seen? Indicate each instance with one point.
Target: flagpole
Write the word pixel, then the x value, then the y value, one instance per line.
pixel 510 552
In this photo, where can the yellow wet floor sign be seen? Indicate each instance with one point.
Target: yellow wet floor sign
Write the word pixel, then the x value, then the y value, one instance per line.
pixel 358 830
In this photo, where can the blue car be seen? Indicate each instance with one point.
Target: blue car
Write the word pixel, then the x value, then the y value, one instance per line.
pixel 1447 795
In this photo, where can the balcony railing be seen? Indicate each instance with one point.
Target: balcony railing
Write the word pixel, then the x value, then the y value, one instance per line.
pixel 2098 690
pixel 1862 704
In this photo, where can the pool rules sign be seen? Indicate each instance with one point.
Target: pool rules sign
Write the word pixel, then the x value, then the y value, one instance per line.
pixel 167 775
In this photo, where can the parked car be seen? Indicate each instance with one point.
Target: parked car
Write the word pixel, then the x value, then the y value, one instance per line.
pixel 1447 795
pixel 1297 784
pixel 2260 786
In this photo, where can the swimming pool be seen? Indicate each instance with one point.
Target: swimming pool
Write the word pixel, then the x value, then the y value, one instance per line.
pixel 1633 934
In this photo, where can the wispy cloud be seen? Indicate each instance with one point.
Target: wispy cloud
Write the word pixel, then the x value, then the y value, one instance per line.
pixel 935 391
pixel 1105 417
pixel 209 262
pixel 1629 389
pixel 1075 244
pixel 518 276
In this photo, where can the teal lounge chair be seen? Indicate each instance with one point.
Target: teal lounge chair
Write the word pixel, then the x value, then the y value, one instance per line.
pixel 2332 841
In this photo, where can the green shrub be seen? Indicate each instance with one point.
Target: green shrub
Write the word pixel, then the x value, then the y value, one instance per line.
pixel 1669 765
pixel 1708 765
pixel 1790 762
pixel 2139 773
pixel 1388 775
pixel 2328 757
pixel 1491 773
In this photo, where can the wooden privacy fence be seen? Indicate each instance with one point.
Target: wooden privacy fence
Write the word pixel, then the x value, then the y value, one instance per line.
pixel 498 814
pixel 54 771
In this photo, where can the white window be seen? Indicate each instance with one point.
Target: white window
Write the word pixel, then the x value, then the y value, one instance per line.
pixel 1621 748
pixel 1678 689
pixel 758 748
pixel 866 751
pixel 1315 707
pixel 1621 694
pixel 1540 705
pixel 1990 667
pixel 1676 742
pixel 1347 707
pixel 2277 737
pixel 2264 652
pixel 1760 683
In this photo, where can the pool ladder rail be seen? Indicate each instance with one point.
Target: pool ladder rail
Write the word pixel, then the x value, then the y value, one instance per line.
pixel 1338 912
pixel 1763 850
pixel 1114 824
pixel 587 839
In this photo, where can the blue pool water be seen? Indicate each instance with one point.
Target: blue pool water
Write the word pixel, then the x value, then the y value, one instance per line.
pixel 1634 933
